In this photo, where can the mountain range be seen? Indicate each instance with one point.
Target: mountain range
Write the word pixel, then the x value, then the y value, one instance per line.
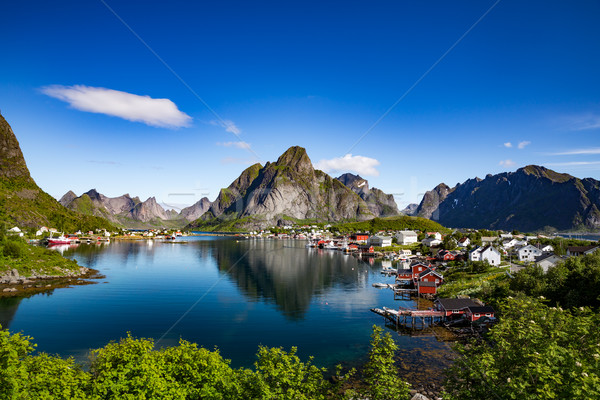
pixel 529 199
pixel 291 190
pixel 131 212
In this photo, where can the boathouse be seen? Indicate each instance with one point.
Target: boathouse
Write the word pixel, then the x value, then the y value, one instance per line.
pixel 473 313
pixel 426 287
pixel 359 237
pixel 455 307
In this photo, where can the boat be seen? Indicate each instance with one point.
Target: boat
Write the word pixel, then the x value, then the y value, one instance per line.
pixel 62 239
pixel 380 285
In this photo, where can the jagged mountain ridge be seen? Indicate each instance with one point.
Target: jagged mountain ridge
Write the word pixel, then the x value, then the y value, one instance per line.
pixel 22 202
pixel 130 211
pixel 288 189
pixel 529 199
pixel 380 204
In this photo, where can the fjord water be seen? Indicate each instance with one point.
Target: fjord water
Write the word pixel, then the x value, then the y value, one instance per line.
pixel 235 294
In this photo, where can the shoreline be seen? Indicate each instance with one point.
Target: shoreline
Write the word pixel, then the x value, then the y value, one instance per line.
pixel 15 285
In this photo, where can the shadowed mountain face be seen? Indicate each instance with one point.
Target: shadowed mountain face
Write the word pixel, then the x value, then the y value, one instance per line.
pixel 528 199
pixel 22 202
pixel 379 203
pixel 287 190
pixel 132 212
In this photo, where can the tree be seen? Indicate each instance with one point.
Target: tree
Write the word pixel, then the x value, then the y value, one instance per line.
pixel 381 373
pixel 535 352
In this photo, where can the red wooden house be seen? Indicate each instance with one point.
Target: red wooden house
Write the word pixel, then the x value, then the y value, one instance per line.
pixel 445 255
pixel 359 237
pixel 474 313
pixel 366 249
pixel 417 269
pixel 425 287
pixel 454 307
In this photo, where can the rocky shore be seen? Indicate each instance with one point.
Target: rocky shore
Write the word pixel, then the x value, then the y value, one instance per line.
pixel 12 283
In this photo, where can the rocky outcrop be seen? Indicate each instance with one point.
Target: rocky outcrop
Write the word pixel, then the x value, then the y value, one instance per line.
pixel 196 210
pixel 379 203
pixel 410 209
pixel 529 199
pixel 12 162
pixel 286 190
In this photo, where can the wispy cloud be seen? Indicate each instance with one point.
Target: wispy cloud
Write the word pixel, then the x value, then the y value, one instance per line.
pixel 132 107
pixel 584 122
pixel 507 163
pixel 591 150
pixel 523 144
pixel 229 126
pixel 234 160
pixel 508 144
pixel 358 164
pixel 239 145
pixel 573 163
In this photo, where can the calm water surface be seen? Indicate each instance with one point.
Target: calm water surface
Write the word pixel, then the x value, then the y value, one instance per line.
pixel 215 291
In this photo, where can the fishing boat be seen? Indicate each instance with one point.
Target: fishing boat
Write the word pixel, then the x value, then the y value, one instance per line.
pixel 62 239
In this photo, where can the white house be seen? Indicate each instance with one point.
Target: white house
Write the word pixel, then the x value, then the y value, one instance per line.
pixel 436 235
pixel 464 242
pixel 528 253
pixel 380 241
pixel 15 230
pixel 506 235
pixel 406 237
pixel 547 261
pixel 547 248
pixel 488 253
pixel 431 242
pixel 507 244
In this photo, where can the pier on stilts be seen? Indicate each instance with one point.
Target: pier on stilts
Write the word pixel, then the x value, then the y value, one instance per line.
pixel 415 319
pixel 401 293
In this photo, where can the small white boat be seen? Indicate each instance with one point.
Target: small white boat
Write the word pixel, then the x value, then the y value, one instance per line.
pixel 380 285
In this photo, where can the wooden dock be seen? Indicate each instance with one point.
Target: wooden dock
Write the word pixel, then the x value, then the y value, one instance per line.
pixel 415 319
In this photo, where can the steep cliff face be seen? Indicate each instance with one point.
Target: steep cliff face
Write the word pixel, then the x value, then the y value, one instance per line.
pixel 22 202
pixel 290 188
pixel 379 203
pixel 12 162
pixel 196 210
pixel 528 199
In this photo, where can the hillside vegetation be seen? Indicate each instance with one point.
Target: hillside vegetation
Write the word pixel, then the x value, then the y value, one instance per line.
pixel 393 223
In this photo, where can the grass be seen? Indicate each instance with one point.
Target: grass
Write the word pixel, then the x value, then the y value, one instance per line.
pixel 393 223
pixel 31 260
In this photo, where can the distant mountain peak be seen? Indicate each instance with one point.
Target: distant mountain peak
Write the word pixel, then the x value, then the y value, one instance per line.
pixel 543 172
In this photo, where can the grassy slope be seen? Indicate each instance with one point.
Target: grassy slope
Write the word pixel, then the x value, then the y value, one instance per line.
pixel 32 260
pixel 393 223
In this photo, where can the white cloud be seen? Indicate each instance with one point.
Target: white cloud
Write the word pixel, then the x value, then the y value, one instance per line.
pixel 507 163
pixel 508 144
pixel 591 150
pixel 239 145
pixel 132 107
pixel 574 163
pixel 358 164
pixel 522 144
pixel 229 126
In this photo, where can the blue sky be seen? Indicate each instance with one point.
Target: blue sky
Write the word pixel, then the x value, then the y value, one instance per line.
pixel 174 99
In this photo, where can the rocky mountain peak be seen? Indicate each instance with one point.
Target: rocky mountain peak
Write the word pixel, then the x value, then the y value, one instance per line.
pixel 296 159
pixel 543 172
pixel 67 198
pixel 354 181
pixel 12 162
